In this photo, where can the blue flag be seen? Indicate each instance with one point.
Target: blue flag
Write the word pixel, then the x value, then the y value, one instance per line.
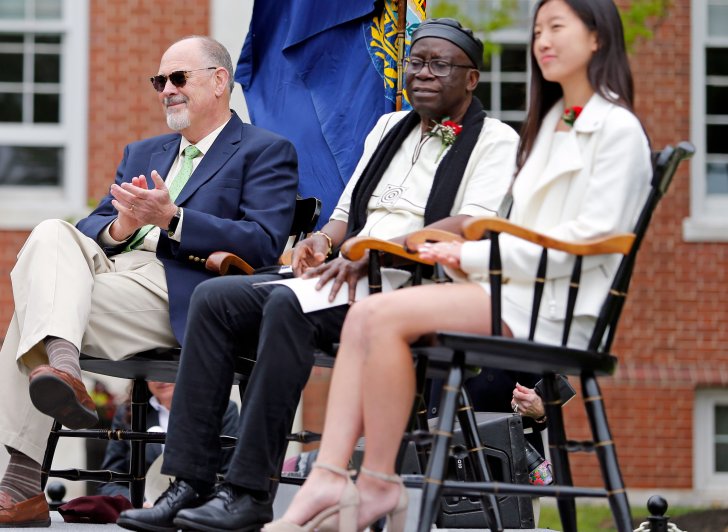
pixel 320 73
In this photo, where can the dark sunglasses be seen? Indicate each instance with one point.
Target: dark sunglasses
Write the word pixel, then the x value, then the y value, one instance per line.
pixel 178 78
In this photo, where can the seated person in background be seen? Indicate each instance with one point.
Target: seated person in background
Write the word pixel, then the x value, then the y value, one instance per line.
pixel 118 453
pixel 120 281
pixel 409 177
pixel 579 177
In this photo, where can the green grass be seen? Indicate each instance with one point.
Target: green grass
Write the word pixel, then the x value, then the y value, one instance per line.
pixel 599 518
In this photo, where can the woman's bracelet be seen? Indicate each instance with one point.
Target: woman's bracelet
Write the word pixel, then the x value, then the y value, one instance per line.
pixel 328 239
pixel 541 420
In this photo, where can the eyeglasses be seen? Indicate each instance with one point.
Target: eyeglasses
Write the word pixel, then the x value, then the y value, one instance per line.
pixel 178 78
pixel 438 67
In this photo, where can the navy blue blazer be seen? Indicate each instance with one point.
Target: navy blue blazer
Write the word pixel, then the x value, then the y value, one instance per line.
pixel 240 198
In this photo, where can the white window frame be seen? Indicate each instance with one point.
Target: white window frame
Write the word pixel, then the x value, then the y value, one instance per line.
pixel 496 77
pixel 708 220
pixel 21 208
pixel 705 479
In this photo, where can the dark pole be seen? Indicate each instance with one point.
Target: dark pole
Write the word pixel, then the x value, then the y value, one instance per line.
pixel 399 44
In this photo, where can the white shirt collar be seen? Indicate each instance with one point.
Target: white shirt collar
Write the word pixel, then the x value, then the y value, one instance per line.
pixel 204 144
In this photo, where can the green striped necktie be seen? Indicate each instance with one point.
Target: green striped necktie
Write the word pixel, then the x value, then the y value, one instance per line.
pixel 179 182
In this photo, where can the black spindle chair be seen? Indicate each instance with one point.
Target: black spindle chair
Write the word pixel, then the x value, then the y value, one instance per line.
pixel 458 351
pixel 160 365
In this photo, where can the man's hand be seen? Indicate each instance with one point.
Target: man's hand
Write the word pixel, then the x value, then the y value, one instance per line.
pixel 138 205
pixel 342 271
pixel 309 253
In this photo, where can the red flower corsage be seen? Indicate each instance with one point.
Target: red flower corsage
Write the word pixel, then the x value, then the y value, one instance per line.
pixel 571 114
pixel 448 131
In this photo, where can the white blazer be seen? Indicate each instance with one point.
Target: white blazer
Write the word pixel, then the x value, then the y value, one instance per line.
pixel 594 185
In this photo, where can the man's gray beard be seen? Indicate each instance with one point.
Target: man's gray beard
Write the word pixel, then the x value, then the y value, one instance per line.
pixel 178 120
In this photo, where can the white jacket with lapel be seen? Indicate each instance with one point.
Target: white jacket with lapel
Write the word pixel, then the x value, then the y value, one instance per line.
pixel 594 184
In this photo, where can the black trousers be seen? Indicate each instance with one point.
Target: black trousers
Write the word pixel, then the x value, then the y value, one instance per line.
pixel 229 315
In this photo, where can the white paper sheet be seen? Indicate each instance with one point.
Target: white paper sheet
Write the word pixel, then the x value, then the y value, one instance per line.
pixel 311 299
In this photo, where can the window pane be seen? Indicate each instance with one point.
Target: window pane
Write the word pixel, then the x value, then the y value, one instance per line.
pixel 11 107
pixel 716 100
pixel 42 38
pixel 482 91
pixel 717 176
pixel 718 20
pixel 47 68
pixel 717 137
pixel 47 9
pixel 45 108
pixel 721 421
pixel 721 434
pixel 513 97
pixel 716 61
pixel 721 457
pixel 513 59
pixel 14 38
pixel 11 67
pixel 30 166
pixel 12 9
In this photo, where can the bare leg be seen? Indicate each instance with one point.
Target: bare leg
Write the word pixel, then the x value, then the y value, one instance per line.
pixel 394 324
pixel 373 386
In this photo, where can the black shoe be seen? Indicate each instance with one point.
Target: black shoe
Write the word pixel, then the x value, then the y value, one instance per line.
pixel 177 496
pixel 231 508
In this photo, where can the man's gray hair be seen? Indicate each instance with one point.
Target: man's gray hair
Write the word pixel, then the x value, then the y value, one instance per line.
pixel 216 53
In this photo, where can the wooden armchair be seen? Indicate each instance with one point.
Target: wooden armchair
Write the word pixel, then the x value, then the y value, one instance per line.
pixel 457 351
pixel 160 365
pixel 453 353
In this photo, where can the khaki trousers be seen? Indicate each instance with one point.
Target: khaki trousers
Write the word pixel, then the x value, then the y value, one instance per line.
pixel 65 286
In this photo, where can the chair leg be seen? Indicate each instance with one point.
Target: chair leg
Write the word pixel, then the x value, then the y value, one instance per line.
pixel 139 397
pixel 558 452
pixel 419 411
pixel 432 488
pixel 606 452
pixel 45 467
pixel 469 426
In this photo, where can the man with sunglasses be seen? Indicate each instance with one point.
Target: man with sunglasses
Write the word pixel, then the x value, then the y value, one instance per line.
pixel 412 173
pixel 120 281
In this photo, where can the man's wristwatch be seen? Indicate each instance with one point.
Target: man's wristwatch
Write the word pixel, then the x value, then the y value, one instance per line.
pixel 174 222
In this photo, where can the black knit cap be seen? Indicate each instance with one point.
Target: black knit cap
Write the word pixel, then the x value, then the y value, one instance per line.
pixel 451 30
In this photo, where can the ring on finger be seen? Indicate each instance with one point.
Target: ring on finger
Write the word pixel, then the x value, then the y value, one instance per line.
pixel 515 408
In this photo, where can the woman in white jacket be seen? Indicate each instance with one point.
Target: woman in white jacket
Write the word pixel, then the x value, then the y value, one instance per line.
pixel 583 171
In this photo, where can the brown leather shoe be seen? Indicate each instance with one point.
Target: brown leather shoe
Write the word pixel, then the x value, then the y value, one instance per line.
pixel 28 513
pixel 63 397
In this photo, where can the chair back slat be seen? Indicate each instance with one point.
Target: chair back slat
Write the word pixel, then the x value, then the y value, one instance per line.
pixel 538 286
pixel 571 301
pixel 665 164
pixel 496 280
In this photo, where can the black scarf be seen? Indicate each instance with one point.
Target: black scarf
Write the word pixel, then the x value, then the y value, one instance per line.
pixel 447 178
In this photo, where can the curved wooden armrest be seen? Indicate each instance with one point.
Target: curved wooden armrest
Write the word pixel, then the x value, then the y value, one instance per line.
pixel 354 249
pixel 414 240
pixel 475 228
pixel 220 262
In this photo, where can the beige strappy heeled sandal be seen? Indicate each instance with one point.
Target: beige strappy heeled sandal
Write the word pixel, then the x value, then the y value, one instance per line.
pixel 341 516
pixel 397 516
